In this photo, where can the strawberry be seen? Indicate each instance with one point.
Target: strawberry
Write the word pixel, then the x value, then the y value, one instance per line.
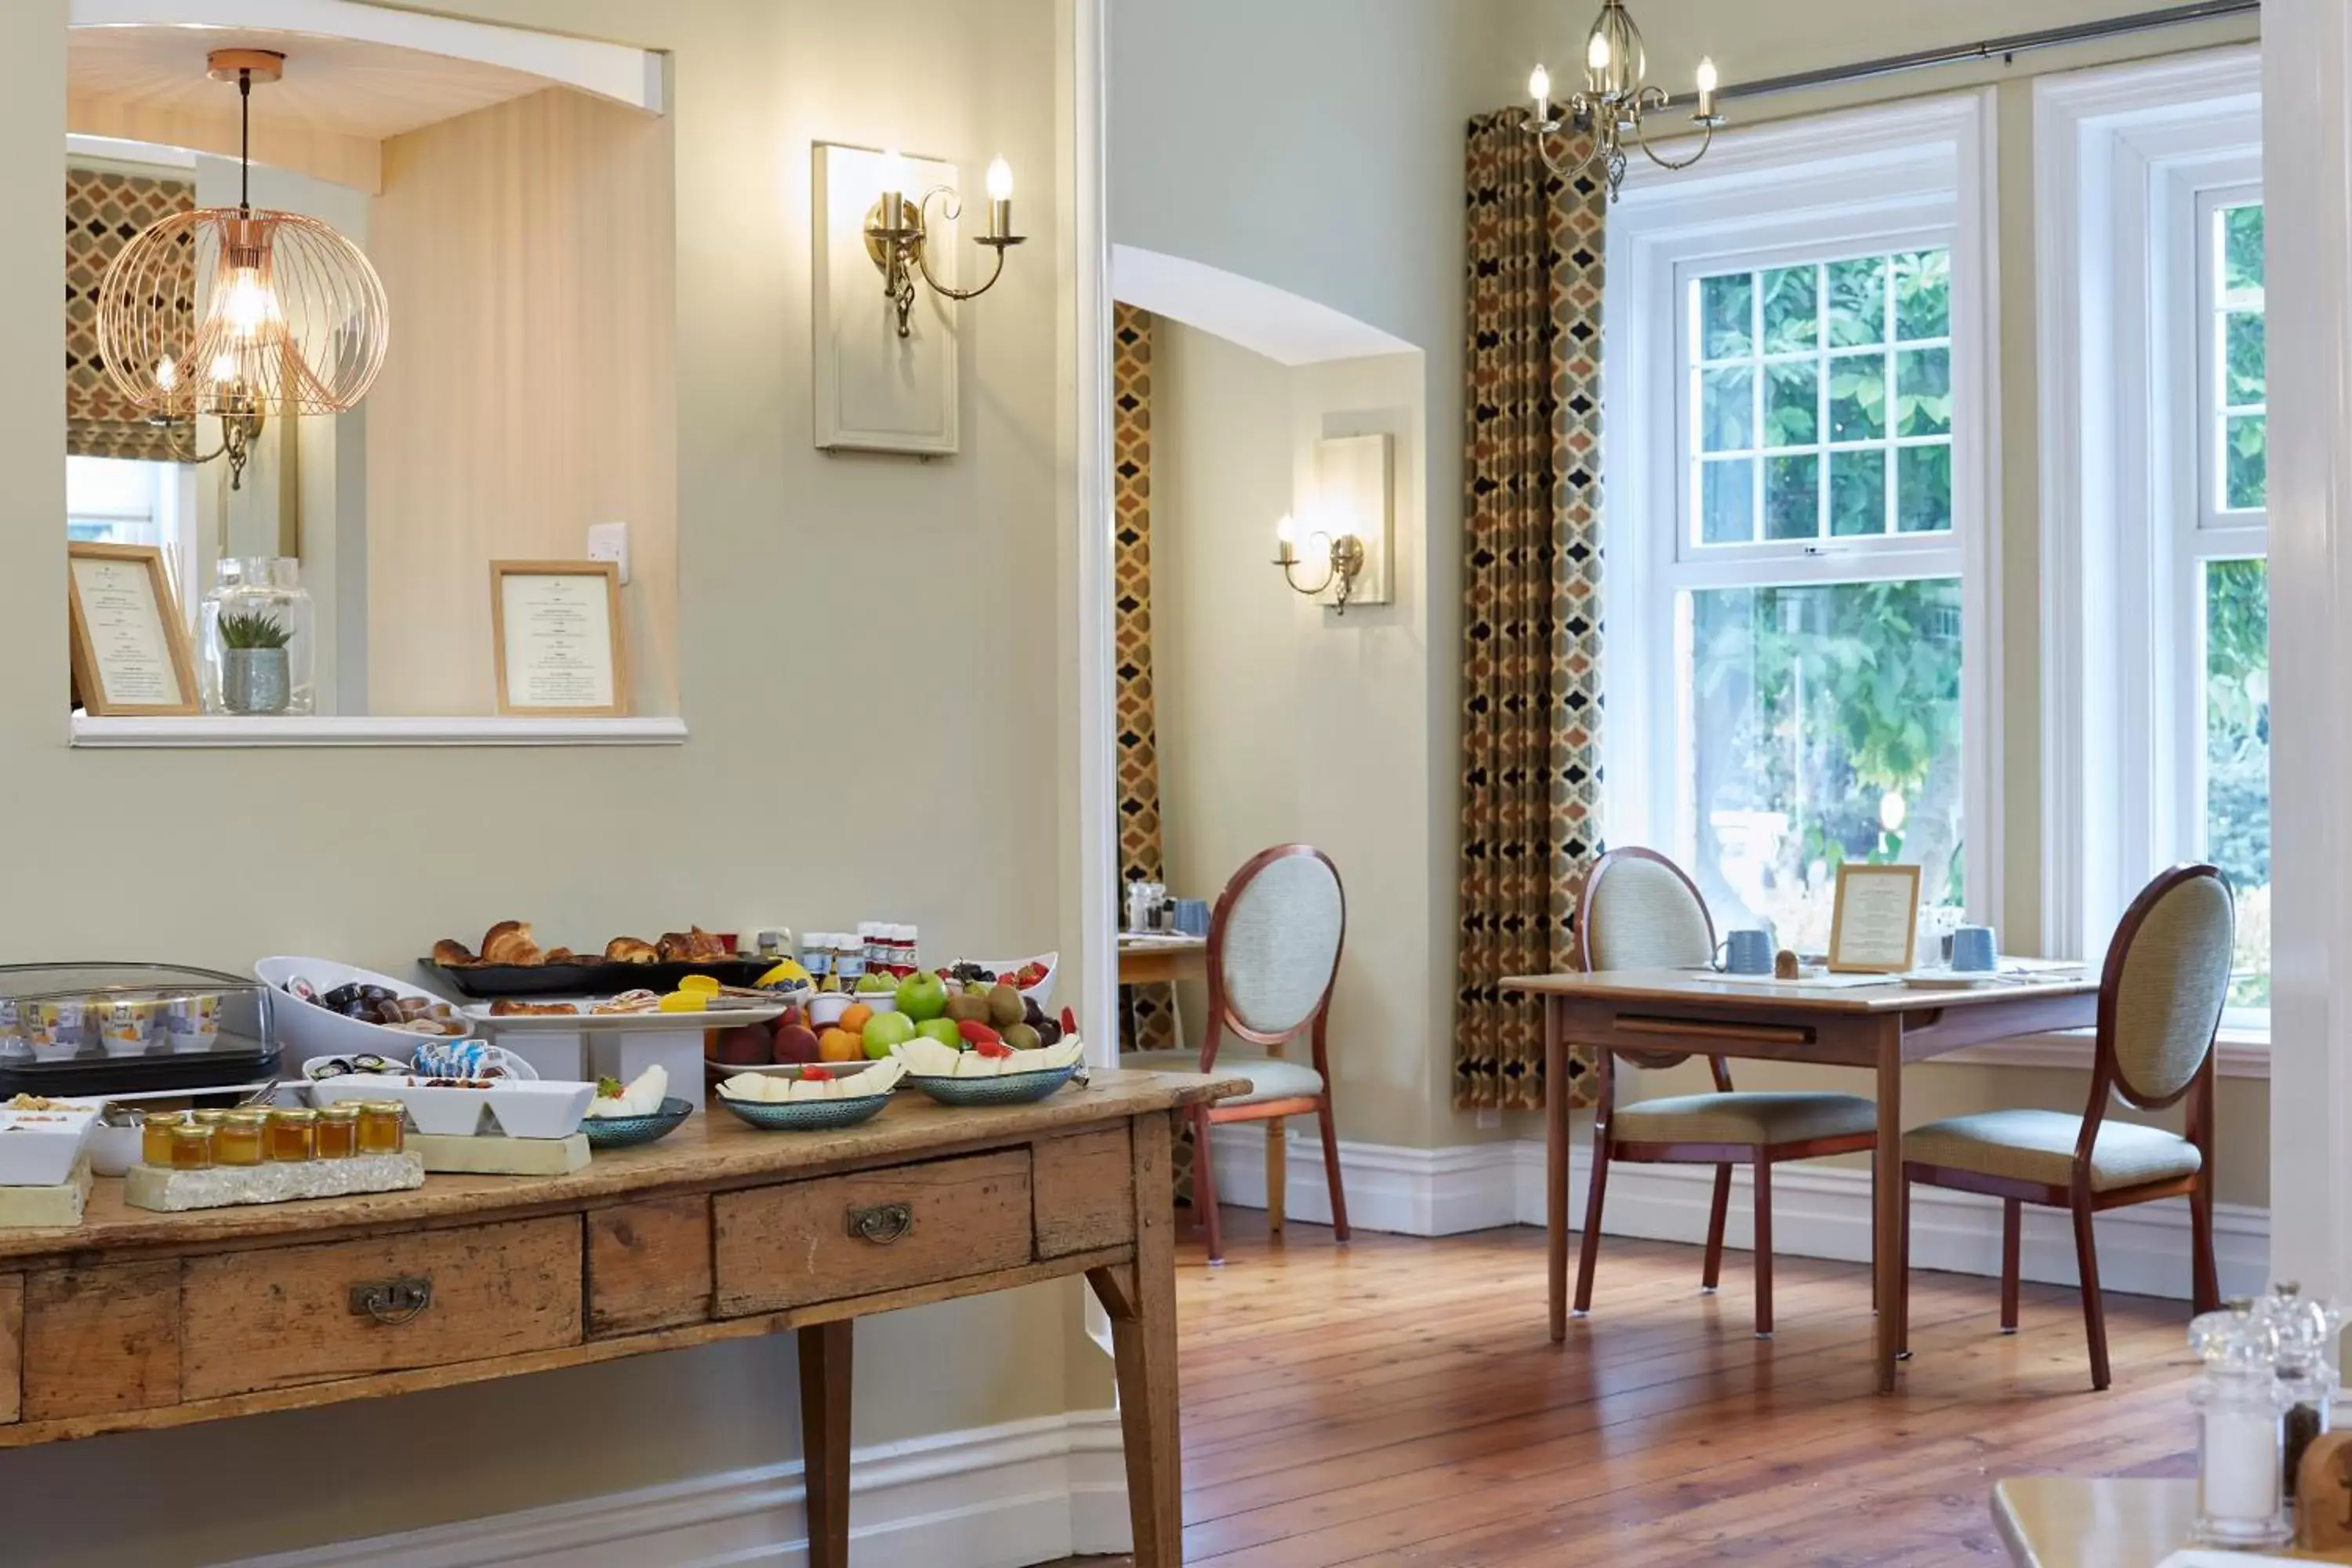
pixel 991 1048
pixel 812 1073
pixel 1069 1022
pixel 975 1032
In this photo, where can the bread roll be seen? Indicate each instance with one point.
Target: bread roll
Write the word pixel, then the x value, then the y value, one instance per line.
pixel 630 950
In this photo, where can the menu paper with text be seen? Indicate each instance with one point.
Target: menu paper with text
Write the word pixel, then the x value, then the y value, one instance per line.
pixel 1875 919
pixel 559 641
pixel 127 640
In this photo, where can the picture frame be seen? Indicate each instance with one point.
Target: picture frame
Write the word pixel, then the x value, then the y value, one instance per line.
pixel 1875 929
pixel 130 655
pixel 556 637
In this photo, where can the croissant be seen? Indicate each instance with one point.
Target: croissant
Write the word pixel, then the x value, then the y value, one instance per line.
pixel 674 947
pixel 630 950
pixel 452 954
pixel 561 955
pixel 508 942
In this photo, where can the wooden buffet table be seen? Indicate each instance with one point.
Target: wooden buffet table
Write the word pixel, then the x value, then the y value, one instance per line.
pixel 136 1319
pixel 1160 960
pixel 1882 1027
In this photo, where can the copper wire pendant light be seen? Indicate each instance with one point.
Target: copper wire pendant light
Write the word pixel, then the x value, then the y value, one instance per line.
pixel 292 318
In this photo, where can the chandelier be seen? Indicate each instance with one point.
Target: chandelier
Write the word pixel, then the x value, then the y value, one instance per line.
pixel 293 317
pixel 1612 104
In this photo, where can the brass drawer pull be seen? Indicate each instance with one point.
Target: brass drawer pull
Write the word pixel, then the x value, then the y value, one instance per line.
pixel 883 1224
pixel 392 1301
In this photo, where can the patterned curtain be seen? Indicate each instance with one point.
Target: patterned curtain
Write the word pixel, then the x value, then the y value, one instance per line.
pixel 1532 601
pixel 1148 1012
pixel 104 209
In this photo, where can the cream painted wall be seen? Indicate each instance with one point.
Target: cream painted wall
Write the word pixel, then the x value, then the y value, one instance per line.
pixel 1253 748
pixel 950 819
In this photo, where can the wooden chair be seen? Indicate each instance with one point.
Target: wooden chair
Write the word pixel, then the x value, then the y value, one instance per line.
pixel 1640 911
pixel 2161 993
pixel 1273 958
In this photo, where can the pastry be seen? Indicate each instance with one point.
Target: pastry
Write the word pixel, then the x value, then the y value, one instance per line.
pixel 509 1008
pixel 561 955
pixel 453 954
pixel 508 942
pixel 630 950
pixel 694 945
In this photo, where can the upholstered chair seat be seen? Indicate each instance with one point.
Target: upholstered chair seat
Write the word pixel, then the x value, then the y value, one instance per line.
pixel 1271 1077
pixel 1745 1116
pixel 2039 1146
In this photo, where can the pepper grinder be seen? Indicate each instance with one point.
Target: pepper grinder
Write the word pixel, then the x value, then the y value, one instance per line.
pixel 2307 1330
pixel 2239 1448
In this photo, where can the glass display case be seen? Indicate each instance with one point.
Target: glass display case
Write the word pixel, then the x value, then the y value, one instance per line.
pixel 105 1027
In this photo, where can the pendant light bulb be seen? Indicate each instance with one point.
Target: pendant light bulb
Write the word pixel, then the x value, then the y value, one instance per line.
pixel 246 305
pixel 167 374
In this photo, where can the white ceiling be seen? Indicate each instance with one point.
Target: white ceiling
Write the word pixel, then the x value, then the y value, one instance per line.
pixel 1262 319
pixel 332 85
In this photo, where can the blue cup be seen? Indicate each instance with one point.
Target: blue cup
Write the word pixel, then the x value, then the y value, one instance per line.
pixel 1747 952
pixel 1972 950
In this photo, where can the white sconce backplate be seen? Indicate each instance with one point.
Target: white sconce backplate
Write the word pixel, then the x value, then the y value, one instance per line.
pixel 876 392
pixel 1355 479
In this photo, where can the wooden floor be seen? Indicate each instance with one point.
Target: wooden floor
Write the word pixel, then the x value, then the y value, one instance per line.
pixel 1396 1401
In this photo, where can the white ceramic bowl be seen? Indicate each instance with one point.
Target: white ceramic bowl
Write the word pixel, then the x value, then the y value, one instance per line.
pixel 39 1148
pixel 521 1108
pixel 1043 992
pixel 307 1030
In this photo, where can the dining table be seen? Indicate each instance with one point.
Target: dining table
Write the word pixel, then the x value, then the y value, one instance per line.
pixel 1877 1021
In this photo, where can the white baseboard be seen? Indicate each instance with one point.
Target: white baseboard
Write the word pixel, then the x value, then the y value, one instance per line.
pixel 1818 1211
pixel 996 1497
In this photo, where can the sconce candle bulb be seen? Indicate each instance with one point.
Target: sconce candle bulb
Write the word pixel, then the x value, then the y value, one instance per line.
pixel 1540 88
pixel 894 231
pixel 999 198
pixel 1706 86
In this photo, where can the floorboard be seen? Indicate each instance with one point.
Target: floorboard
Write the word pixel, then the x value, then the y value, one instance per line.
pixel 1395 1403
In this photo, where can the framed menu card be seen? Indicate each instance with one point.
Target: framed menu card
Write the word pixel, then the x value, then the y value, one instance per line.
pixel 1876 924
pixel 556 629
pixel 131 654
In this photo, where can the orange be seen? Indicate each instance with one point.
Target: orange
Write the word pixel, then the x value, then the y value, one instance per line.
pixel 854 1017
pixel 839 1045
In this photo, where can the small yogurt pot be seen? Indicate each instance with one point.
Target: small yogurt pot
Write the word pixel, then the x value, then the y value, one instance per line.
pixel 52 1029
pixel 124 1028
pixel 192 1023
pixel 12 1033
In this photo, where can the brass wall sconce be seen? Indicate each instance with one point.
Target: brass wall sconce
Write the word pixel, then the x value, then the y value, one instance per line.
pixel 894 231
pixel 242 420
pixel 1343 560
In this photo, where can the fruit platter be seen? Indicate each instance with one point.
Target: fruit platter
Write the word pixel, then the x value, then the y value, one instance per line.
pixel 642 1112
pixel 871 1022
pixel 987 1071
pixel 812 1099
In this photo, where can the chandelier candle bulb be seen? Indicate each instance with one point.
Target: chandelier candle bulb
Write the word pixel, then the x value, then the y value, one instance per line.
pixel 1540 88
pixel 1000 199
pixel 1706 82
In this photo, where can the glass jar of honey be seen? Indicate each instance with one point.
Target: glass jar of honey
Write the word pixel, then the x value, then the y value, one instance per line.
pixel 241 1139
pixel 293 1134
pixel 339 1131
pixel 208 1118
pixel 192 1146
pixel 155 1135
pixel 384 1127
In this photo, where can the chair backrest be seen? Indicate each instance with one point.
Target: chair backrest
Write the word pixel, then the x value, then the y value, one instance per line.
pixel 1273 945
pixel 2164 984
pixel 1641 910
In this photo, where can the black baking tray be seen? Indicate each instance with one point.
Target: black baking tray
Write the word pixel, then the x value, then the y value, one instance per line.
pixel 486 981
pixel 233 1058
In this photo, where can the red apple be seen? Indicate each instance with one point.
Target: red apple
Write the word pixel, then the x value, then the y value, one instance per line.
pixel 796 1043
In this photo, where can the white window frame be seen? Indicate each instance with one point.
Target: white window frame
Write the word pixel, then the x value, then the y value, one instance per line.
pixel 1896 177
pixel 2130 163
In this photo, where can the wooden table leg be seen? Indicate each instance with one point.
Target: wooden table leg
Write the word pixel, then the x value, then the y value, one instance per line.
pixel 1140 1300
pixel 825 1440
pixel 1886 1200
pixel 1277 1175
pixel 1556 1162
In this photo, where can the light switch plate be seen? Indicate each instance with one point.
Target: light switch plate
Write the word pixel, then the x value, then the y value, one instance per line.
pixel 610 541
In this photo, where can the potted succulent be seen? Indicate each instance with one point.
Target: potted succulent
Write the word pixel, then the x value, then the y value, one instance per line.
pixel 254 675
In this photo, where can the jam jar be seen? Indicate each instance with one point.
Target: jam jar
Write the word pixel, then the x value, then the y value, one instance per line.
pixel 192 1146
pixel 293 1134
pixel 155 1135
pixel 241 1138
pixel 339 1131
pixel 382 1126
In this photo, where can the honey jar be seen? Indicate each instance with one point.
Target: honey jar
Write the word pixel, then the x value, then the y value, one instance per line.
pixel 339 1131
pixel 192 1146
pixel 293 1134
pixel 155 1135
pixel 382 1126
pixel 241 1138
pixel 208 1118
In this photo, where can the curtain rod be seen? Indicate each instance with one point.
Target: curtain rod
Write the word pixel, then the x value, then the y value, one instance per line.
pixel 1994 49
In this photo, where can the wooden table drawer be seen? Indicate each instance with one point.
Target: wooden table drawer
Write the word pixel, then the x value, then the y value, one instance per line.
pixel 872 1232
pixel 292 1315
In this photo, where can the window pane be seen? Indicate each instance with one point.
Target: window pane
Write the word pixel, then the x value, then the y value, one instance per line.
pixel 2245 466
pixel 1792 497
pixel 1728 502
pixel 2241 254
pixel 2241 359
pixel 2237 760
pixel 1858 398
pixel 1726 309
pixel 1923 489
pixel 1923 295
pixel 1792 407
pixel 1791 317
pixel 109 487
pixel 1857 301
pixel 1726 415
pixel 1858 492
pixel 1825 728
pixel 1923 392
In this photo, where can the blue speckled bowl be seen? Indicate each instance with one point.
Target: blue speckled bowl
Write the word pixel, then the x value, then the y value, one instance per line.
pixel 628 1131
pixel 1010 1088
pixel 806 1115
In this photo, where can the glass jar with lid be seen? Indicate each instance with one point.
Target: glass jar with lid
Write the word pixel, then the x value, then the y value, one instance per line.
pixel 339 1131
pixel 240 1138
pixel 257 631
pixel 2240 1401
pixel 2306 1329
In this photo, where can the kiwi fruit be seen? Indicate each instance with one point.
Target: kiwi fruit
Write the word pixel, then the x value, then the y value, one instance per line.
pixel 1004 1006
pixel 1021 1038
pixel 968 1008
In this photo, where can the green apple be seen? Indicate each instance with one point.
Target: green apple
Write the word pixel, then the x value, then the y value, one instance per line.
pixel 885 1030
pixel 923 996
pixel 943 1031
pixel 873 981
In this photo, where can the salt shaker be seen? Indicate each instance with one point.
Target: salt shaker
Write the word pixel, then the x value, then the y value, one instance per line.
pixel 2240 1401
